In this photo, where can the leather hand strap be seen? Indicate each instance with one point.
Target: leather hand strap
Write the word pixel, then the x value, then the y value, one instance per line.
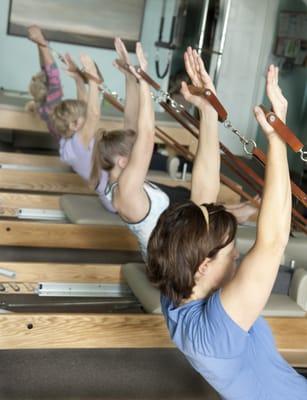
pixel 282 130
pixel 213 100
pixel 147 78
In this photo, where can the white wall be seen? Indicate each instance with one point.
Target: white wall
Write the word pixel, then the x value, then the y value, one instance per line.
pixel 245 58
pixel 294 86
pixel 19 60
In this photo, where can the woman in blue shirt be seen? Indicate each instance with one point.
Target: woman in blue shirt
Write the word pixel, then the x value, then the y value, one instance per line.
pixel 212 308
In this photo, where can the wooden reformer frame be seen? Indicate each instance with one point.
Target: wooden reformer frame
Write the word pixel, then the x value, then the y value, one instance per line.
pixel 126 330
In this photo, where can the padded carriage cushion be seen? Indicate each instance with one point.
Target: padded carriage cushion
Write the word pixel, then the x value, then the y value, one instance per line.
pixel 149 297
pixel 280 305
pixel 87 210
pixel 296 248
pixel 298 288
pixel 143 290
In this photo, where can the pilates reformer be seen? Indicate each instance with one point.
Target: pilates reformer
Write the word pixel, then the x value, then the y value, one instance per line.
pixel 43 287
pixel 25 326
pixel 62 331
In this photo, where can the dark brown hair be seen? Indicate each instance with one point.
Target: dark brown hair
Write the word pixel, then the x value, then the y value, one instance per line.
pixel 108 145
pixel 181 241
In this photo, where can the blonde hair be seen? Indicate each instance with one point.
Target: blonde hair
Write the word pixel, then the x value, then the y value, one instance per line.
pixel 38 88
pixel 65 112
pixel 108 145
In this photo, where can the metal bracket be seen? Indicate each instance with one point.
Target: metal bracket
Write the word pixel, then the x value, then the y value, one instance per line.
pixel 40 213
pixel 113 290
pixel 33 168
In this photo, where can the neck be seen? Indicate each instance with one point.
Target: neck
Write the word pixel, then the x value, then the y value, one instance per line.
pixel 115 174
pixel 199 292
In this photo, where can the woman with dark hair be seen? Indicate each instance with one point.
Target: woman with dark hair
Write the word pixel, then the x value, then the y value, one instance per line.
pixel 212 308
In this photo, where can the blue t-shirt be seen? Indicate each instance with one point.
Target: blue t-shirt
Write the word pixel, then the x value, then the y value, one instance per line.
pixel 240 365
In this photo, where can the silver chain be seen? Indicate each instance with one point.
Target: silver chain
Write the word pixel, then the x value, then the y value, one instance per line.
pixel 248 144
pixel 164 96
pixel 105 89
pixel 303 155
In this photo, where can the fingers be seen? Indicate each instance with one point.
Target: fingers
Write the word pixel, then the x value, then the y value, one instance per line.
pixel 141 57
pixel 192 56
pixel 86 60
pixel 121 49
pixel 191 66
pixel 274 93
pixel 196 70
pixel 69 61
pixel 205 77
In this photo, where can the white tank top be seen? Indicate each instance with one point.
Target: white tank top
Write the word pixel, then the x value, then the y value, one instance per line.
pixel 158 200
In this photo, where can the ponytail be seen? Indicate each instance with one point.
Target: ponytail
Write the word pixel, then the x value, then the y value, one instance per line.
pixel 96 160
pixel 108 145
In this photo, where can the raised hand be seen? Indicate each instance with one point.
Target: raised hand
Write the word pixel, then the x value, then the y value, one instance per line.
pixel 89 65
pixel 71 67
pixel 200 78
pixel 36 34
pixel 141 59
pixel 278 101
pixel 123 56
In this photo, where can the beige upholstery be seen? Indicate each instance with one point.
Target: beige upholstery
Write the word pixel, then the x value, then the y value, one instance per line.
pixel 298 288
pixel 87 210
pixel 138 282
pixel 246 236
pixel 278 305
pixel 296 248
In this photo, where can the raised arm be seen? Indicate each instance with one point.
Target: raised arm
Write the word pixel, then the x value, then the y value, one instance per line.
pixel 246 295
pixel 93 104
pixel 206 167
pixel 54 91
pixel 45 55
pixel 132 200
pixel 71 70
pixel 132 90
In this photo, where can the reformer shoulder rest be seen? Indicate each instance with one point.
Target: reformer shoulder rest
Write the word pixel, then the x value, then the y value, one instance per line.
pixel 278 305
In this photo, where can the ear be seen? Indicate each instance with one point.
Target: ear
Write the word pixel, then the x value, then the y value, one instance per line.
pixel 122 161
pixel 203 268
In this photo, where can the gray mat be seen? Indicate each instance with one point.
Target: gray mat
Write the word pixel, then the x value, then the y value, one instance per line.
pixel 135 374
pixel 28 254
pixel 87 210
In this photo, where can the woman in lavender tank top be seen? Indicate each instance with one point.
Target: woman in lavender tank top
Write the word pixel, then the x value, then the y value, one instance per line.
pixel 73 122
